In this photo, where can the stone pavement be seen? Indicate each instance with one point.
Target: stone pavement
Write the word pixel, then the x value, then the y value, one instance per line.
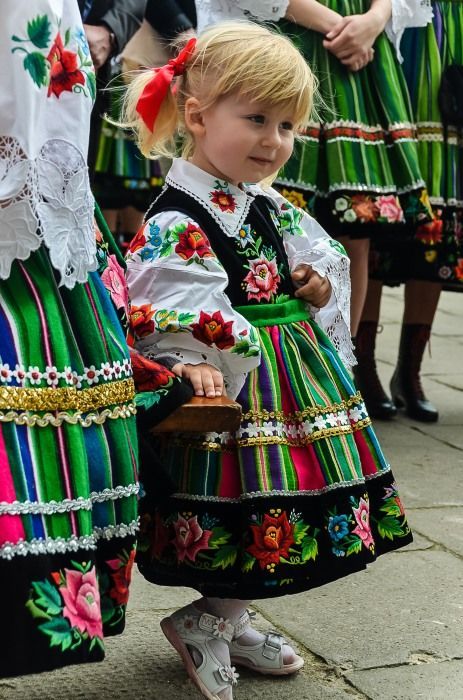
pixel 393 632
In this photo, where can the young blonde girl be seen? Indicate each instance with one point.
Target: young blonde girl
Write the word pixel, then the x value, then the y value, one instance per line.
pixel 243 290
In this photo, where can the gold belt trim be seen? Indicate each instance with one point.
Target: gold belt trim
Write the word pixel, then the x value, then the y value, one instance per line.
pixel 67 398
pixel 300 415
pixel 57 419
pixel 276 439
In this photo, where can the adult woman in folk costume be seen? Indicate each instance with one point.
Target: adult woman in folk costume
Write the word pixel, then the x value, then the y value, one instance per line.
pixel 356 167
pixel 68 485
pixel 435 255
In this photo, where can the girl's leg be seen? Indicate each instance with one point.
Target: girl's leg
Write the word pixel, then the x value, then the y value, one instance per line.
pixel 201 634
pixel 421 300
pixel 378 403
pixel 250 647
pixel 357 249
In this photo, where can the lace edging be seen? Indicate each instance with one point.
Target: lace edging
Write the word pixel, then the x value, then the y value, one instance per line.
pixel 47 200
pixel 334 319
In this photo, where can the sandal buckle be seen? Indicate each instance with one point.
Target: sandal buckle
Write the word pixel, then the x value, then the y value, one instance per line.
pixel 272 646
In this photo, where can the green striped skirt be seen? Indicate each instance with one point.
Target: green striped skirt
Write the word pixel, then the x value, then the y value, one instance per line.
pixel 436 253
pixel 356 169
pixel 68 460
pixel 300 495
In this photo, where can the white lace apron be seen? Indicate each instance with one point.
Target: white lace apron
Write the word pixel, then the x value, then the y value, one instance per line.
pixel 47 88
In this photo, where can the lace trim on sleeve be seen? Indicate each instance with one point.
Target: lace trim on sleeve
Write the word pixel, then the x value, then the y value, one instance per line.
pixel 407 13
pixel 334 318
pixel 47 200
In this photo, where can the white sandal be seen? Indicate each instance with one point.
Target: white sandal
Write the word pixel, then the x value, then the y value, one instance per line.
pixel 267 656
pixel 189 627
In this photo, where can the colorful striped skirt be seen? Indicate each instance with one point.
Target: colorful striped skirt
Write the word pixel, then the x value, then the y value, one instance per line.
pixel 68 510
pixel 300 495
pixel 356 167
pixel 436 253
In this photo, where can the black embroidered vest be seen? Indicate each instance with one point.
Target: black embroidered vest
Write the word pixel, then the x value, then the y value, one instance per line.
pixel 255 261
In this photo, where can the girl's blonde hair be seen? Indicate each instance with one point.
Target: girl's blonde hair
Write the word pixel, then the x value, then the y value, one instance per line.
pixel 241 57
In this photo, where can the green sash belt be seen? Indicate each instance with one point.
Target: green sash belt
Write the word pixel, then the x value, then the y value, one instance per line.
pixel 274 314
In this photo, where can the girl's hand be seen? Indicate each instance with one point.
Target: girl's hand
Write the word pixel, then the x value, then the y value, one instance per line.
pixel 352 39
pixel 311 287
pixel 205 379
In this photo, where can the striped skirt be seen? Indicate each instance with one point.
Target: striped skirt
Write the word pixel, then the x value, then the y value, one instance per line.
pixel 436 253
pixel 356 168
pixel 300 495
pixel 68 511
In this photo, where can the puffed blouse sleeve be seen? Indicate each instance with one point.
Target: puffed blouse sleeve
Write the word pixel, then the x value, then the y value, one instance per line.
pixel 407 13
pixel 179 307
pixel 306 242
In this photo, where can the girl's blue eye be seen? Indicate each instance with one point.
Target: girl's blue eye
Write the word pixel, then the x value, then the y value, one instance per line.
pixel 256 118
pixel 287 126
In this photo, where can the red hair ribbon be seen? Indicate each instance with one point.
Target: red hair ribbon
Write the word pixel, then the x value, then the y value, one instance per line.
pixel 155 91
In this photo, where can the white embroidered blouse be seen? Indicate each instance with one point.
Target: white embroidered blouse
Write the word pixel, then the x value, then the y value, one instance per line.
pixel 175 290
pixel 47 88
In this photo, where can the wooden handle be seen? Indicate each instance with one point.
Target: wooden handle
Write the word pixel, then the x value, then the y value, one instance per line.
pixel 202 415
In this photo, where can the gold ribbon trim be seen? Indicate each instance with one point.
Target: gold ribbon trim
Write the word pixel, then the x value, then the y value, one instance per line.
pixel 354 400
pixel 33 420
pixel 67 398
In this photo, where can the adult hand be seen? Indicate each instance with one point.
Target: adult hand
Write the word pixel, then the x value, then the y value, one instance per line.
pixel 311 287
pixel 352 39
pixel 205 379
pixel 100 44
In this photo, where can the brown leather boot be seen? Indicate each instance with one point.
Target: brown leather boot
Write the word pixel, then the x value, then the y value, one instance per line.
pixel 406 388
pixel 378 403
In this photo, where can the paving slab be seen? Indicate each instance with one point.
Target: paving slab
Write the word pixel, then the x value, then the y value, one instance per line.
pixel 403 604
pixel 428 472
pixel 426 681
pixel 441 525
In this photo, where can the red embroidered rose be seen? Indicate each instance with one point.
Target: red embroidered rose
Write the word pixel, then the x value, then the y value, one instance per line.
pixel 114 280
pixel 272 539
pixel 213 330
pixel 64 73
pixel 122 577
pixel 389 208
pixel 159 537
pixel 364 207
pixel 362 518
pixel 262 279
pixel 459 269
pixel 190 538
pixel 193 241
pixel 141 320
pixel 430 233
pixel 138 241
pixel 147 374
pixel 81 597
pixel 223 200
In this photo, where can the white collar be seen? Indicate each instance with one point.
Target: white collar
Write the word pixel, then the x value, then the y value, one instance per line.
pixel 227 204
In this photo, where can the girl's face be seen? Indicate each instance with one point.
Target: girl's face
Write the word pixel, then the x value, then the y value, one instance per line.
pixel 238 139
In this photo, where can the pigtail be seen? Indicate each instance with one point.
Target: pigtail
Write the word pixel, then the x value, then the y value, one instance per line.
pixel 160 141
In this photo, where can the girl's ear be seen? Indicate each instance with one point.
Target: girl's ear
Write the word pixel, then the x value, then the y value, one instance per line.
pixel 194 121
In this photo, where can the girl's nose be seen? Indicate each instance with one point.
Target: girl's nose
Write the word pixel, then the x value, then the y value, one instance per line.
pixel 272 138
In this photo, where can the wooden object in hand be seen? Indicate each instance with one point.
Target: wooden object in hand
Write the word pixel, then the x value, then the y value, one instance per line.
pixel 202 415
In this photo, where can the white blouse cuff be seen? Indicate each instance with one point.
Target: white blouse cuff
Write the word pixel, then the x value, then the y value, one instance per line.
pixel 407 13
